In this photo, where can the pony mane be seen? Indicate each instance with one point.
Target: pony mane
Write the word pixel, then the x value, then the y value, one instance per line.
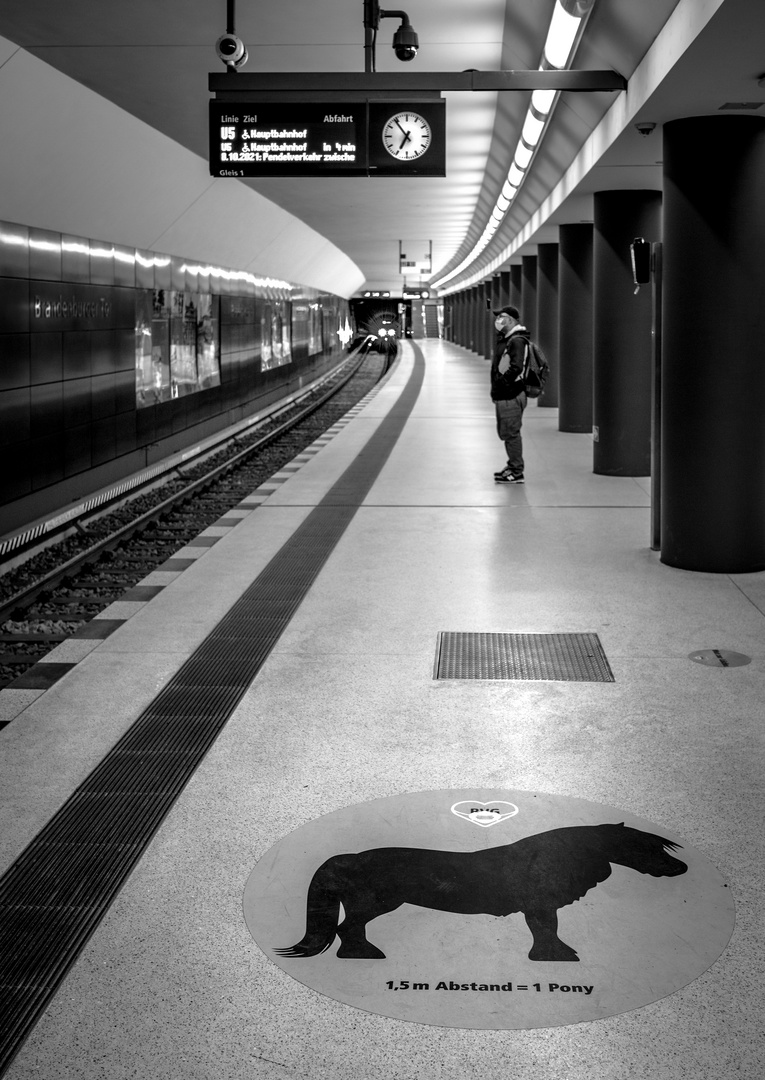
pixel 653 836
pixel 671 844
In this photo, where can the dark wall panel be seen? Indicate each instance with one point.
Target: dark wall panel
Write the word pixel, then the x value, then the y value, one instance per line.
pixel 46 461
pixel 14 309
pixel 124 433
pixel 77 355
pixel 14 361
pixel 104 441
pixel 77 397
pixel 77 455
pixel 15 416
pixel 47 409
pixel 104 396
pixel 47 358
pixel 103 346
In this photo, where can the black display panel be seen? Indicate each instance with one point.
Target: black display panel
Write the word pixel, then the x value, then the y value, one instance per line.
pixel 361 138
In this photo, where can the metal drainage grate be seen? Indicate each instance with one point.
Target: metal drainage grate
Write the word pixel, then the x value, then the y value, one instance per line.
pixel 554 657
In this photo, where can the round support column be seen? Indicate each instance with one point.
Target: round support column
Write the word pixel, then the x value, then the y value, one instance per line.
pixel 504 289
pixel 575 316
pixel 496 292
pixel 475 303
pixel 713 370
pixel 487 320
pixel 516 285
pixel 463 321
pixel 547 317
pixel 528 304
pixel 622 334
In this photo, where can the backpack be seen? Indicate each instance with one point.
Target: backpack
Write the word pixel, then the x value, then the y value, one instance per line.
pixel 535 370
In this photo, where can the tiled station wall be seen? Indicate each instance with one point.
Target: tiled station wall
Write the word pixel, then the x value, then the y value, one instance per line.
pixel 68 417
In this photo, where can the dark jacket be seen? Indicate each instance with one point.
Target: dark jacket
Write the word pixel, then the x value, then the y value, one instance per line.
pixel 508 386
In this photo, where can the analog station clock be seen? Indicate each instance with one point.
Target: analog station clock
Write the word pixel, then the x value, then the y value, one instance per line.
pixel 406 136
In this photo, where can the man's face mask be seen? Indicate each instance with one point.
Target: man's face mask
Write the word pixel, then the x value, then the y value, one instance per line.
pixel 500 322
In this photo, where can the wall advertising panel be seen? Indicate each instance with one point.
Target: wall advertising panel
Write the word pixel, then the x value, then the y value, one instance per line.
pixel 276 347
pixel 177 344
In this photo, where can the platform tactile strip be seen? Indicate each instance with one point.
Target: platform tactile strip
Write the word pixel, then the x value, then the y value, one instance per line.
pixel 553 657
pixel 55 894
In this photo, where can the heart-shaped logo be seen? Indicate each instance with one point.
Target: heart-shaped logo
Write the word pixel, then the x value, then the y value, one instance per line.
pixel 485 814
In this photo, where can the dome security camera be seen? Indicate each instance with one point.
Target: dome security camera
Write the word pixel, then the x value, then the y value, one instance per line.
pixel 645 128
pixel 231 50
pixel 405 42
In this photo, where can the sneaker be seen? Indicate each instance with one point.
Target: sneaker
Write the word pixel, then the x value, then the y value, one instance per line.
pixel 509 478
pixel 503 472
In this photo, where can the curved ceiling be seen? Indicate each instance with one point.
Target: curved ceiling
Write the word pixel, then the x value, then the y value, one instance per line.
pixel 682 57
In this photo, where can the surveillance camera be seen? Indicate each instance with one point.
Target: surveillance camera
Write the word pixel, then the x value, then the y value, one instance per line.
pixel 231 50
pixel 645 128
pixel 405 42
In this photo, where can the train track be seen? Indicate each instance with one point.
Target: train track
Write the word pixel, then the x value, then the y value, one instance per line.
pixel 54 592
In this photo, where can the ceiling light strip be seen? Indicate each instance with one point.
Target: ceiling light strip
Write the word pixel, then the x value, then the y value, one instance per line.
pixel 562 35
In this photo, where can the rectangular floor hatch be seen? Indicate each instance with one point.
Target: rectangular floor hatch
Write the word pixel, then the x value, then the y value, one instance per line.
pixel 554 657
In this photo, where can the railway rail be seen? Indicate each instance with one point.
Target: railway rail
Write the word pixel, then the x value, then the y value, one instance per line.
pixel 54 592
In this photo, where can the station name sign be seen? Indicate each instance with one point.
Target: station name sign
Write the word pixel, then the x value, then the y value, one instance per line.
pixel 56 306
pixel 348 138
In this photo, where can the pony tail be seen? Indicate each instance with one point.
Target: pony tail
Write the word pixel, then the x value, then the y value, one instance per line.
pixel 322 914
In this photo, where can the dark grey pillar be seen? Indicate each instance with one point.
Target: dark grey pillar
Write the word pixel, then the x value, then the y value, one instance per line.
pixel 529 293
pixel 516 285
pixel 504 288
pixel 476 326
pixel 621 411
pixel 496 292
pixel 462 323
pixel 575 319
pixel 547 317
pixel 487 328
pixel 713 370
pixel 480 321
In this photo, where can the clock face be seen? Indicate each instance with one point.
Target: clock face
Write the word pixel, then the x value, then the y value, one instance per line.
pixel 406 136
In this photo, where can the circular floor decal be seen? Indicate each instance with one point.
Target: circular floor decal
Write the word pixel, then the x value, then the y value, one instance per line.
pixel 488 909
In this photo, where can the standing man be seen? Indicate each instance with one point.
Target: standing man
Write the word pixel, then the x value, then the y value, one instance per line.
pixel 507 391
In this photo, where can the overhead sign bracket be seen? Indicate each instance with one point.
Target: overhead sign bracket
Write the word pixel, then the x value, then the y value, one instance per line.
pixel 404 83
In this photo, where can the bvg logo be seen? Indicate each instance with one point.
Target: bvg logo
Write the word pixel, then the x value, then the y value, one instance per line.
pixel 485 814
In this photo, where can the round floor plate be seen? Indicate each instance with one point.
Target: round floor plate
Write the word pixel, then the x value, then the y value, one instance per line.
pixel 488 909
pixel 719 658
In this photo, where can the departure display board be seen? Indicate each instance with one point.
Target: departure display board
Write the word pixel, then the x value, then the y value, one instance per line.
pixel 348 138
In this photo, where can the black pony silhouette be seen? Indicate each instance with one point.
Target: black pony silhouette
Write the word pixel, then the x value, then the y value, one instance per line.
pixel 536 875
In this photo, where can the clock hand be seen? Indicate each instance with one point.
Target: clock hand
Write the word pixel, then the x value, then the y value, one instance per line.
pixel 405 140
pixel 396 121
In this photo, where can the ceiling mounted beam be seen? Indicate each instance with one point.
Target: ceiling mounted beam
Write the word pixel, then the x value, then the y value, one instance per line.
pixel 363 82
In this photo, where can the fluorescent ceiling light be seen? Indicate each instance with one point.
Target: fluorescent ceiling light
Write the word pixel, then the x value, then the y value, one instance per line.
pixel 515 176
pixel 509 190
pixel 532 129
pixel 560 37
pixel 523 155
pixel 542 100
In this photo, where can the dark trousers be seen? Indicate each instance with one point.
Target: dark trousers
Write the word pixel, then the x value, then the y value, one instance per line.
pixel 509 420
